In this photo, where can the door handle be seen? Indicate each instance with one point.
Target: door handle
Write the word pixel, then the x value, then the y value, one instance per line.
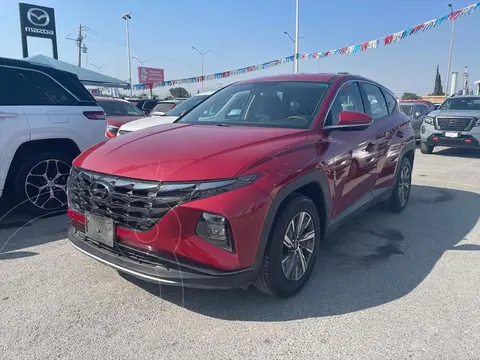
pixel 7 115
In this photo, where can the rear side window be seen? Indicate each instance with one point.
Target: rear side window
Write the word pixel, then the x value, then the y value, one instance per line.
pixel 378 106
pixel 391 101
pixel 40 89
pixel 148 105
pixel 163 107
pixel 11 95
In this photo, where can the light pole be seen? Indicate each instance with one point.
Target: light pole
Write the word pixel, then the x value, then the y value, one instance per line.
pixel 297 11
pixel 140 61
pixel 201 54
pixel 451 50
pixel 293 40
pixel 127 17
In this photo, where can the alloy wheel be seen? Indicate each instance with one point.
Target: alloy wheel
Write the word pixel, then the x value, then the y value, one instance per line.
pixel 46 184
pixel 404 183
pixel 298 246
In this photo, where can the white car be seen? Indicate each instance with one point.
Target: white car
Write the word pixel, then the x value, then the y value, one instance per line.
pixel 168 118
pixel 227 111
pixel 47 117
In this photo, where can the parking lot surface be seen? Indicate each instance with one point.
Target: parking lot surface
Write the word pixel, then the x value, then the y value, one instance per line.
pixel 396 286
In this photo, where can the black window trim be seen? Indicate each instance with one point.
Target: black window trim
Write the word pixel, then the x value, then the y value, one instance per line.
pixel 381 87
pixel 44 73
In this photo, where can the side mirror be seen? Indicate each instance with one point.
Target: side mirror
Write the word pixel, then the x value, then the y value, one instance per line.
pixel 353 120
pixel 417 115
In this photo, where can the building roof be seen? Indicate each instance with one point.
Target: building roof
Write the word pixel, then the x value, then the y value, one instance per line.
pixel 86 76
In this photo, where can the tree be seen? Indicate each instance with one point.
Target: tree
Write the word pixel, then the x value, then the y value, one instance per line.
pixel 179 92
pixel 410 96
pixel 438 88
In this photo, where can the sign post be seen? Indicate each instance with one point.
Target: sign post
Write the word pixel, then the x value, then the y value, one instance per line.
pixel 37 21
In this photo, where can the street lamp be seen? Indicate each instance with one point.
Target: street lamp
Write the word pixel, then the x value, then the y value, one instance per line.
pixel 451 50
pixel 201 54
pixel 294 42
pixel 297 24
pixel 140 61
pixel 97 67
pixel 127 17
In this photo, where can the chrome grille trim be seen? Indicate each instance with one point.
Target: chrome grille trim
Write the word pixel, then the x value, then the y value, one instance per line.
pixel 133 204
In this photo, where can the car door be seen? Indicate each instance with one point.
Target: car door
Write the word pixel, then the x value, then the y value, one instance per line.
pixel 419 112
pixel 14 126
pixel 353 169
pixel 389 137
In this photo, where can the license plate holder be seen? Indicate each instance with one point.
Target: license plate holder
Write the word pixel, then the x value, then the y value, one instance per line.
pixel 100 229
pixel 451 134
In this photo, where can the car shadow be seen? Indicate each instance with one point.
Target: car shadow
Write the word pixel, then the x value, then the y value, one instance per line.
pixel 378 258
pixel 459 152
pixel 19 230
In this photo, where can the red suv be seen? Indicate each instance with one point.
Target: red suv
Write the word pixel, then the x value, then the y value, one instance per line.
pixel 243 187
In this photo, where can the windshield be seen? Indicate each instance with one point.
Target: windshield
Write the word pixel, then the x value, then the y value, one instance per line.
pixel 283 104
pixel 406 109
pixel 163 107
pixel 119 108
pixel 186 105
pixel 470 103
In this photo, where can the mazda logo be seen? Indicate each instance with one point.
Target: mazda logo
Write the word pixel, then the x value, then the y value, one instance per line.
pixel 100 190
pixel 38 17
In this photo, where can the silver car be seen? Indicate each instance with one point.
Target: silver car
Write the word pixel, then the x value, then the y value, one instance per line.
pixel 416 112
pixel 456 123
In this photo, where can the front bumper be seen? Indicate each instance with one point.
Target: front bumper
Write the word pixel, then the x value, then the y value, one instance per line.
pixel 159 268
pixel 434 137
pixel 463 141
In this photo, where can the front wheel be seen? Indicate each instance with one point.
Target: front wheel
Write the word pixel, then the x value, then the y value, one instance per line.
pixel 426 149
pixel 41 183
pixel 292 248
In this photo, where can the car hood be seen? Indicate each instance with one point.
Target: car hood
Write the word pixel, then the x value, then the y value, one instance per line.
pixel 184 152
pixel 475 113
pixel 120 120
pixel 148 122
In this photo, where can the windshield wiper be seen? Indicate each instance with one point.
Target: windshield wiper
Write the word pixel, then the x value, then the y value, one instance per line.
pixel 226 125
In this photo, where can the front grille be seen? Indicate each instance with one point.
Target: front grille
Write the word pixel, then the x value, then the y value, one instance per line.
pixel 132 204
pixel 454 124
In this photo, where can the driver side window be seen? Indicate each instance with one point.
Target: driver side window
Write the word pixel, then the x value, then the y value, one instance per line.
pixel 347 99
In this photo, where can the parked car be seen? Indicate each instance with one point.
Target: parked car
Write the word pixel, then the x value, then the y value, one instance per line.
pixel 146 105
pixel 426 102
pixel 118 112
pixel 47 117
pixel 416 111
pixel 165 106
pixel 168 118
pixel 227 202
pixel 456 123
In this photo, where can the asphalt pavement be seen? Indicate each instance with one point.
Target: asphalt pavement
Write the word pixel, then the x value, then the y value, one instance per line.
pixel 389 286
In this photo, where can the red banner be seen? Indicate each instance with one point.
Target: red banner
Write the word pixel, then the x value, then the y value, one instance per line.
pixel 149 75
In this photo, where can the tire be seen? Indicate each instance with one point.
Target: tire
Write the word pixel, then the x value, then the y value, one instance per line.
pixel 273 279
pixel 49 172
pixel 401 191
pixel 426 149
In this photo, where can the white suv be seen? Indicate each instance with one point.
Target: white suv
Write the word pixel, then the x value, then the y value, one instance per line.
pixel 47 117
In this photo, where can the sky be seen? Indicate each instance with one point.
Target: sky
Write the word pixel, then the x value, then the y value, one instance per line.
pixel 241 33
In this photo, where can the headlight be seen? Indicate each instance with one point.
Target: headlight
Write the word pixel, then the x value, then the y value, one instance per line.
pixel 428 120
pixel 212 188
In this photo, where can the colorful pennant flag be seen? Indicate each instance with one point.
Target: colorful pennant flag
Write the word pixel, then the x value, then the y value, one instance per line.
pixel 367 45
